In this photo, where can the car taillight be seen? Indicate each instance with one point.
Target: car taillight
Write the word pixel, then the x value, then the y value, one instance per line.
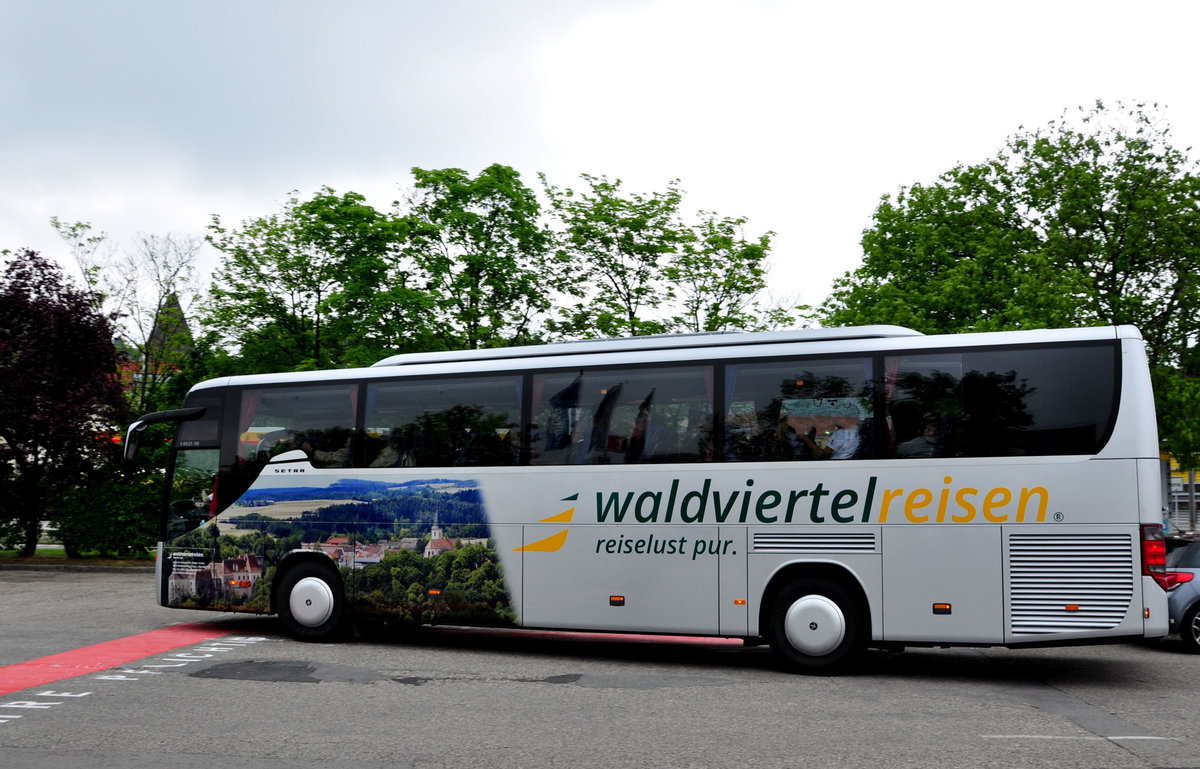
pixel 1154 554
pixel 1177 578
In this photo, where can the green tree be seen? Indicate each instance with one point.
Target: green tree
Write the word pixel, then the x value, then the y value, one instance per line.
pixel 148 289
pixel 1116 205
pixel 1086 223
pixel 113 507
pixel 60 392
pixel 718 278
pixel 92 252
pixel 617 245
pixel 953 256
pixel 312 287
pixel 381 304
pixel 270 295
pixel 483 253
pixel 1177 398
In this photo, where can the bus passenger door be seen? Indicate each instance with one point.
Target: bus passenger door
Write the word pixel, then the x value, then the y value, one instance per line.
pixel 647 578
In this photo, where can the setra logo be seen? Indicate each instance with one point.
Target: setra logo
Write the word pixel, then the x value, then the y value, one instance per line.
pixel 554 542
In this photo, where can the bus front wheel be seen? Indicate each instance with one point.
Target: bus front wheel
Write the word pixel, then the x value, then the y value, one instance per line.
pixel 311 602
pixel 815 626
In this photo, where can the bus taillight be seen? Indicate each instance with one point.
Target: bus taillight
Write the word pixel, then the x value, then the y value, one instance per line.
pixel 1154 554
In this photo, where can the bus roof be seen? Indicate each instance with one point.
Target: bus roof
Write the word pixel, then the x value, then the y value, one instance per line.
pixel 862 339
pixel 657 342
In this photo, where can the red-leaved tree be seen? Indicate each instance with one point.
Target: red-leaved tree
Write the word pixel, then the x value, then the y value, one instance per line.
pixel 59 389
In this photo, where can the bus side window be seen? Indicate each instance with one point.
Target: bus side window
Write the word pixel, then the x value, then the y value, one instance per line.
pixel 444 422
pixel 800 409
pixel 318 419
pixel 1036 401
pixel 628 415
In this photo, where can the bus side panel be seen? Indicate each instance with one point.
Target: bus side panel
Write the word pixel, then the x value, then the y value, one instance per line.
pixel 1154 598
pixel 647 578
pixel 411 545
pixel 734 617
pixel 1072 582
pixel 1135 434
pixel 942 583
pixel 1150 491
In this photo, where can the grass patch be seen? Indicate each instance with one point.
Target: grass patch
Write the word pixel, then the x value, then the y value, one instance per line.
pixel 42 552
pixel 49 556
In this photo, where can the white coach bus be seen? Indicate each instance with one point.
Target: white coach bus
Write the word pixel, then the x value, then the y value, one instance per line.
pixel 824 490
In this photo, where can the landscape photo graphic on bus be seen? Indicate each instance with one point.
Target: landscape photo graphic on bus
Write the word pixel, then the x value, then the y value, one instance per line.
pixel 419 550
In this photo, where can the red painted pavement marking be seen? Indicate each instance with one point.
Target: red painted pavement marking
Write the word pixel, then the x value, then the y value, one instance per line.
pixel 103 656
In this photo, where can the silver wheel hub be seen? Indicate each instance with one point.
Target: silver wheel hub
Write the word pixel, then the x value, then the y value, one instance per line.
pixel 814 625
pixel 311 602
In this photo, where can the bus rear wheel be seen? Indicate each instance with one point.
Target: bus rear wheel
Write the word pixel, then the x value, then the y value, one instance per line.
pixel 815 626
pixel 311 602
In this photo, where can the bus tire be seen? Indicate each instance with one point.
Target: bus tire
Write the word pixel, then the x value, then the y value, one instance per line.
pixel 311 602
pixel 815 626
pixel 1189 630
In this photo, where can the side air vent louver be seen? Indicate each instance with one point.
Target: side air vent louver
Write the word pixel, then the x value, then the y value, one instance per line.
pixel 1049 573
pixel 782 542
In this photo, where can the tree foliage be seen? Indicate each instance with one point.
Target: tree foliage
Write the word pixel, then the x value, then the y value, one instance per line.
pixel 718 278
pixel 949 257
pixel 1087 222
pixel 147 290
pixel 483 254
pixel 61 394
pixel 310 287
pixel 620 241
pixel 472 261
pixel 112 507
pixel 640 267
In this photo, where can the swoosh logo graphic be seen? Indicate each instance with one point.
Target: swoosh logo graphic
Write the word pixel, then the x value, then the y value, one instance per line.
pixel 555 541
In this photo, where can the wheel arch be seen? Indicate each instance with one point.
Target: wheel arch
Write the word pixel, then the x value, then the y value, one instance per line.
pixel 1184 613
pixel 296 558
pixel 789 572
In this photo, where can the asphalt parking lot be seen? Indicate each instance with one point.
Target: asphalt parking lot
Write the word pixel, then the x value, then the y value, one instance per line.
pixel 245 693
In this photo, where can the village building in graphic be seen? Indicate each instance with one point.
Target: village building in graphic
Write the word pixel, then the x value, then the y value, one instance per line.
pixel 439 543
pixel 224 580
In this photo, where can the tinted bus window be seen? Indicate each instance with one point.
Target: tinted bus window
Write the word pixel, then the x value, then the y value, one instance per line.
pixel 993 403
pixel 190 497
pixel 460 422
pixel 801 409
pixel 317 419
pixel 619 416
pixel 204 431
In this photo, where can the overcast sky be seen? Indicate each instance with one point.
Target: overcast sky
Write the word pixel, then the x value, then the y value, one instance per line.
pixel 150 117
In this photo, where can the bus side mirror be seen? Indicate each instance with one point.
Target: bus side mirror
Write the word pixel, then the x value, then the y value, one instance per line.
pixel 133 437
pixel 137 428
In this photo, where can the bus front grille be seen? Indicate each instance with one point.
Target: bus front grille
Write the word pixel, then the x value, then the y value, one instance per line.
pixel 813 542
pixel 1061 583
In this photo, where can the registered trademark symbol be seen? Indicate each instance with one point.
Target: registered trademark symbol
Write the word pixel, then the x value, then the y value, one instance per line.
pixel 1059 517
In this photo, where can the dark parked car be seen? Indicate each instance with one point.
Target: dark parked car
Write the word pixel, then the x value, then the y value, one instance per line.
pixel 1183 596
